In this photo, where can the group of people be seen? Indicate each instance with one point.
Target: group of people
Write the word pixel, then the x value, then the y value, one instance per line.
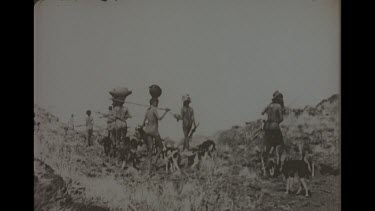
pixel 117 128
pixel 118 115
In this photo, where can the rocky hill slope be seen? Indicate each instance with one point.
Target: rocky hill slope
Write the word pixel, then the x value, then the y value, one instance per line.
pixel 70 176
pixel 317 126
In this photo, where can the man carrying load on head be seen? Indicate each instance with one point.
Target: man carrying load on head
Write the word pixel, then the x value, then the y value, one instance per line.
pixel 187 117
pixel 121 114
pixel 151 128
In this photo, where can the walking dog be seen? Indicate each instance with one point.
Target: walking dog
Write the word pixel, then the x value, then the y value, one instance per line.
pixel 296 169
pixel 301 168
pixel 201 152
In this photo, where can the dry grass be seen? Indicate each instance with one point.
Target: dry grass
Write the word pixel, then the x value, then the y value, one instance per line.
pixel 230 181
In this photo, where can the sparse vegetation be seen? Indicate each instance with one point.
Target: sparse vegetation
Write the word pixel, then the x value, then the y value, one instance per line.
pixel 69 176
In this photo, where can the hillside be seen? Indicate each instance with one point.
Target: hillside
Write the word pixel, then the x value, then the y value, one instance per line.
pixel 318 126
pixel 70 176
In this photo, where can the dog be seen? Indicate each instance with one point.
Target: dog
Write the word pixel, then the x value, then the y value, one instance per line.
pixel 140 133
pixel 271 167
pixel 134 143
pixel 172 159
pixel 202 151
pixel 265 162
pixel 297 164
pixel 128 153
pixel 296 169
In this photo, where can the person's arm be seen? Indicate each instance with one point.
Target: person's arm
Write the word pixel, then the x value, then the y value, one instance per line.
pixel 192 117
pixel 179 116
pixel 144 120
pixel 265 110
pixel 127 114
pixel 161 117
pixel 280 111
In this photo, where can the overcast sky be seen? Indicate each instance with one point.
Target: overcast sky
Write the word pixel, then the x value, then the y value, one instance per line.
pixel 229 55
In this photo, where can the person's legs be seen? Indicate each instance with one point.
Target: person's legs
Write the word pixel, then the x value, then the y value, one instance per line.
pixel 91 142
pixel 268 147
pixel 113 142
pixel 279 147
pixel 288 184
pixel 159 147
pixel 88 137
pixel 186 139
pixel 122 134
pixel 118 137
pixel 149 150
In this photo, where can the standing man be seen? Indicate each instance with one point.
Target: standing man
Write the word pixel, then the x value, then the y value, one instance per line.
pixel 272 132
pixel 187 117
pixel 151 124
pixel 89 127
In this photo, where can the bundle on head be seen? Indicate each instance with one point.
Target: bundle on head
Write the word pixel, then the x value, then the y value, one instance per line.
pixel 155 91
pixel 119 94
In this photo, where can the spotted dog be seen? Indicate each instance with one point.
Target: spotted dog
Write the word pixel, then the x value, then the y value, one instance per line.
pixel 201 152
pixel 299 166
pixel 172 159
pixel 296 169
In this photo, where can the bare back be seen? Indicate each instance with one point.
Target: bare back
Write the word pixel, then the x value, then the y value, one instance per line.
pixel 152 125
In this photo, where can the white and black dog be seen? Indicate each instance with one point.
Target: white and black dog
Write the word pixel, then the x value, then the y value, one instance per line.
pixel 296 169
pixel 172 159
pixel 202 151
pixel 292 168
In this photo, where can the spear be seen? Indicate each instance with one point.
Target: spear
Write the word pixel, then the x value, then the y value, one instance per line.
pixel 111 116
pixel 193 130
pixel 138 104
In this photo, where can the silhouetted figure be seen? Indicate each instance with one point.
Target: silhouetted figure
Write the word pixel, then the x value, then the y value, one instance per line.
pixel 89 127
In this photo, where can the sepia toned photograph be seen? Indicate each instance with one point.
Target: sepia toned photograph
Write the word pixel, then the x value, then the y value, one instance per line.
pixel 187 105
